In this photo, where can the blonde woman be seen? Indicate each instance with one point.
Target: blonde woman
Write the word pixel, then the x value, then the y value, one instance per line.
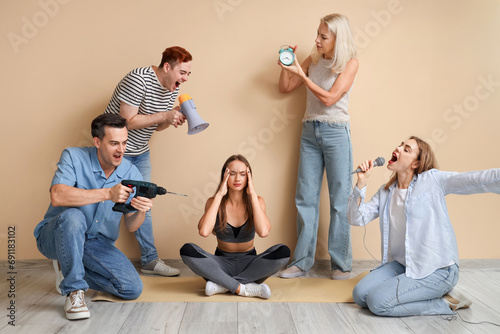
pixel 419 248
pixel 325 144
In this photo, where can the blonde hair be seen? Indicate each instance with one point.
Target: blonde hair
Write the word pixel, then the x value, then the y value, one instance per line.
pixel 426 158
pixel 345 49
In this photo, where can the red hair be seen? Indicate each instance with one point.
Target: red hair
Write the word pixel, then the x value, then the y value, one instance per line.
pixel 175 55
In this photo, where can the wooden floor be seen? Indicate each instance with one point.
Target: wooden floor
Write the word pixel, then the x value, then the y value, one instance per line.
pixel 39 309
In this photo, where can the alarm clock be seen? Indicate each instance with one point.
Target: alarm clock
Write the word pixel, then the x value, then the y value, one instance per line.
pixel 286 55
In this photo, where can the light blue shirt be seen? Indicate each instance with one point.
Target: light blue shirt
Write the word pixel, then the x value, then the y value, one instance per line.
pixel 430 241
pixel 79 167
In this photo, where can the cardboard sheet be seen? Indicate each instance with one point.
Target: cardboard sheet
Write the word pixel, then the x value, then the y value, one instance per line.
pixel 192 289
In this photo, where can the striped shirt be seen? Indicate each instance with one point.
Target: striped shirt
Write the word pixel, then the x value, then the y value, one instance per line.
pixel 141 89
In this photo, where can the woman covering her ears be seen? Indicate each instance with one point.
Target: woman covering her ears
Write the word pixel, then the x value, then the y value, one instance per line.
pixel 235 214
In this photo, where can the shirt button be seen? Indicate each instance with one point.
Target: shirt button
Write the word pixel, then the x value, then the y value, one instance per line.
pixel 96 221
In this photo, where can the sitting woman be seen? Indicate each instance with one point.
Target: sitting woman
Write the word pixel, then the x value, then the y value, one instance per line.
pixel 234 214
pixel 419 248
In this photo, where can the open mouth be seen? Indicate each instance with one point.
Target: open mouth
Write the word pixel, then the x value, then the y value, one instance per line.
pixel 394 158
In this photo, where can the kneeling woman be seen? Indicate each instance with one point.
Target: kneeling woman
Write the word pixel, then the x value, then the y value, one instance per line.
pixel 234 214
pixel 419 249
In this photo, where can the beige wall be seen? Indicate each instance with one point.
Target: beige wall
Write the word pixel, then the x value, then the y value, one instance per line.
pixel 427 68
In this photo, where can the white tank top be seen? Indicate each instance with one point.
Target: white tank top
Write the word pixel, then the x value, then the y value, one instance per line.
pixel 322 76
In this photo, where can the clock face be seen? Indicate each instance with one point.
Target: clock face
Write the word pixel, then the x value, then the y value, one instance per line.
pixel 287 57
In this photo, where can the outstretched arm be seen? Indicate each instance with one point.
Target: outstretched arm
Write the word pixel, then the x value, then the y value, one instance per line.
pixel 466 183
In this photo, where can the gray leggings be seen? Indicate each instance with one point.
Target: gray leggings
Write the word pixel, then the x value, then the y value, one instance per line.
pixel 232 269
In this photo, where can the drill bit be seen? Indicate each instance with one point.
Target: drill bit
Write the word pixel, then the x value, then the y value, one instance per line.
pixel 169 192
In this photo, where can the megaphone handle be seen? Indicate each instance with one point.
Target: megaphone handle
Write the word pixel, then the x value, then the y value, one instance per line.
pixel 191 104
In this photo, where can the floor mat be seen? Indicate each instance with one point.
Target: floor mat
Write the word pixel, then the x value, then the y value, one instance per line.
pixel 192 289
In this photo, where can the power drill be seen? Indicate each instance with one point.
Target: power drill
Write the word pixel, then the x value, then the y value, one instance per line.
pixel 143 189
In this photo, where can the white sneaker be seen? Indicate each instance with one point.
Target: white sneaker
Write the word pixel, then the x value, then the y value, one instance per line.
pixel 213 288
pixel 158 267
pixel 292 272
pixel 59 275
pixel 340 275
pixel 256 290
pixel 75 306
pixel 456 300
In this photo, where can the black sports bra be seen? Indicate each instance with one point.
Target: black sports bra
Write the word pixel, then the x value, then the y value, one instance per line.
pixel 233 234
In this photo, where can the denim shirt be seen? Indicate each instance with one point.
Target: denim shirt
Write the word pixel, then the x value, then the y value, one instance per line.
pixel 79 167
pixel 430 241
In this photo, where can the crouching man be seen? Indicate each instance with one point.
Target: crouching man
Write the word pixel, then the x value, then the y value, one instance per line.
pixel 80 227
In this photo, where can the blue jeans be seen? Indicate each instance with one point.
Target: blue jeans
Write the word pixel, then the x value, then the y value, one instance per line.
pixel 386 291
pixel 87 263
pixel 324 146
pixel 144 234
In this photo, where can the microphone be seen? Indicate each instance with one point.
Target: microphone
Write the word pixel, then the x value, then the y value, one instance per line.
pixel 378 162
